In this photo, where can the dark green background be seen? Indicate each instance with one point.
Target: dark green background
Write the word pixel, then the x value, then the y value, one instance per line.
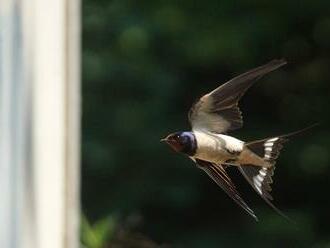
pixel 146 62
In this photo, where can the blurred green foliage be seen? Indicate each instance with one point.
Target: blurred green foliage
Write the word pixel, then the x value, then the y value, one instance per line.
pixel 98 234
pixel 146 62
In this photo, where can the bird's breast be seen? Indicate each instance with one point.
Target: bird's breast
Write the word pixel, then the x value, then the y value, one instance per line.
pixel 216 148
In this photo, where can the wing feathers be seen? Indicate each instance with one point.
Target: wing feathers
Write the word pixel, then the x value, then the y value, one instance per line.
pixel 218 110
pixel 220 177
pixel 245 80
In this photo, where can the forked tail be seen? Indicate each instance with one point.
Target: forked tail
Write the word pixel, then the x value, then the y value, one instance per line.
pixel 270 148
pixel 260 178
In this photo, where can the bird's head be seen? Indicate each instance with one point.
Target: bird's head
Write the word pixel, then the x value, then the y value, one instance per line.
pixel 182 142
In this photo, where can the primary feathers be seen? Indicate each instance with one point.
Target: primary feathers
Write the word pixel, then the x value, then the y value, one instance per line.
pixel 218 110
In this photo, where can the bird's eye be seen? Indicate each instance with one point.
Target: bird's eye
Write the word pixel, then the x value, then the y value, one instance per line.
pixel 178 138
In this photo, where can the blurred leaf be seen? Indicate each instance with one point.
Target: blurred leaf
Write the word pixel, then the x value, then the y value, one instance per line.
pixel 98 234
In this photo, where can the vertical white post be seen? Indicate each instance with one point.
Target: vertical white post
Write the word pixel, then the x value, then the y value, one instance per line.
pixel 12 124
pixel 39 123
pixel 73 120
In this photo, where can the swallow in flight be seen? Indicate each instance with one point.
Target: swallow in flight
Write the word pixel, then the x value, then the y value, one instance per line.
pixel 209 146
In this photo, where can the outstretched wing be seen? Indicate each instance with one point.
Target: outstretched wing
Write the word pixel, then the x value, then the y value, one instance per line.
pixel 218 110
pixel 220 176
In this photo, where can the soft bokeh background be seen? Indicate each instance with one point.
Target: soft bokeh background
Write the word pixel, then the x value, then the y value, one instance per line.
pixel 145 63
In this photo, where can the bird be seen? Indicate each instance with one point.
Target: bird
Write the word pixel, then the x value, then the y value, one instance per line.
pixel 213 150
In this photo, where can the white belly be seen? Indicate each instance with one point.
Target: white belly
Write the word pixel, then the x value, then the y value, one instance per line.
pixel 216 148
